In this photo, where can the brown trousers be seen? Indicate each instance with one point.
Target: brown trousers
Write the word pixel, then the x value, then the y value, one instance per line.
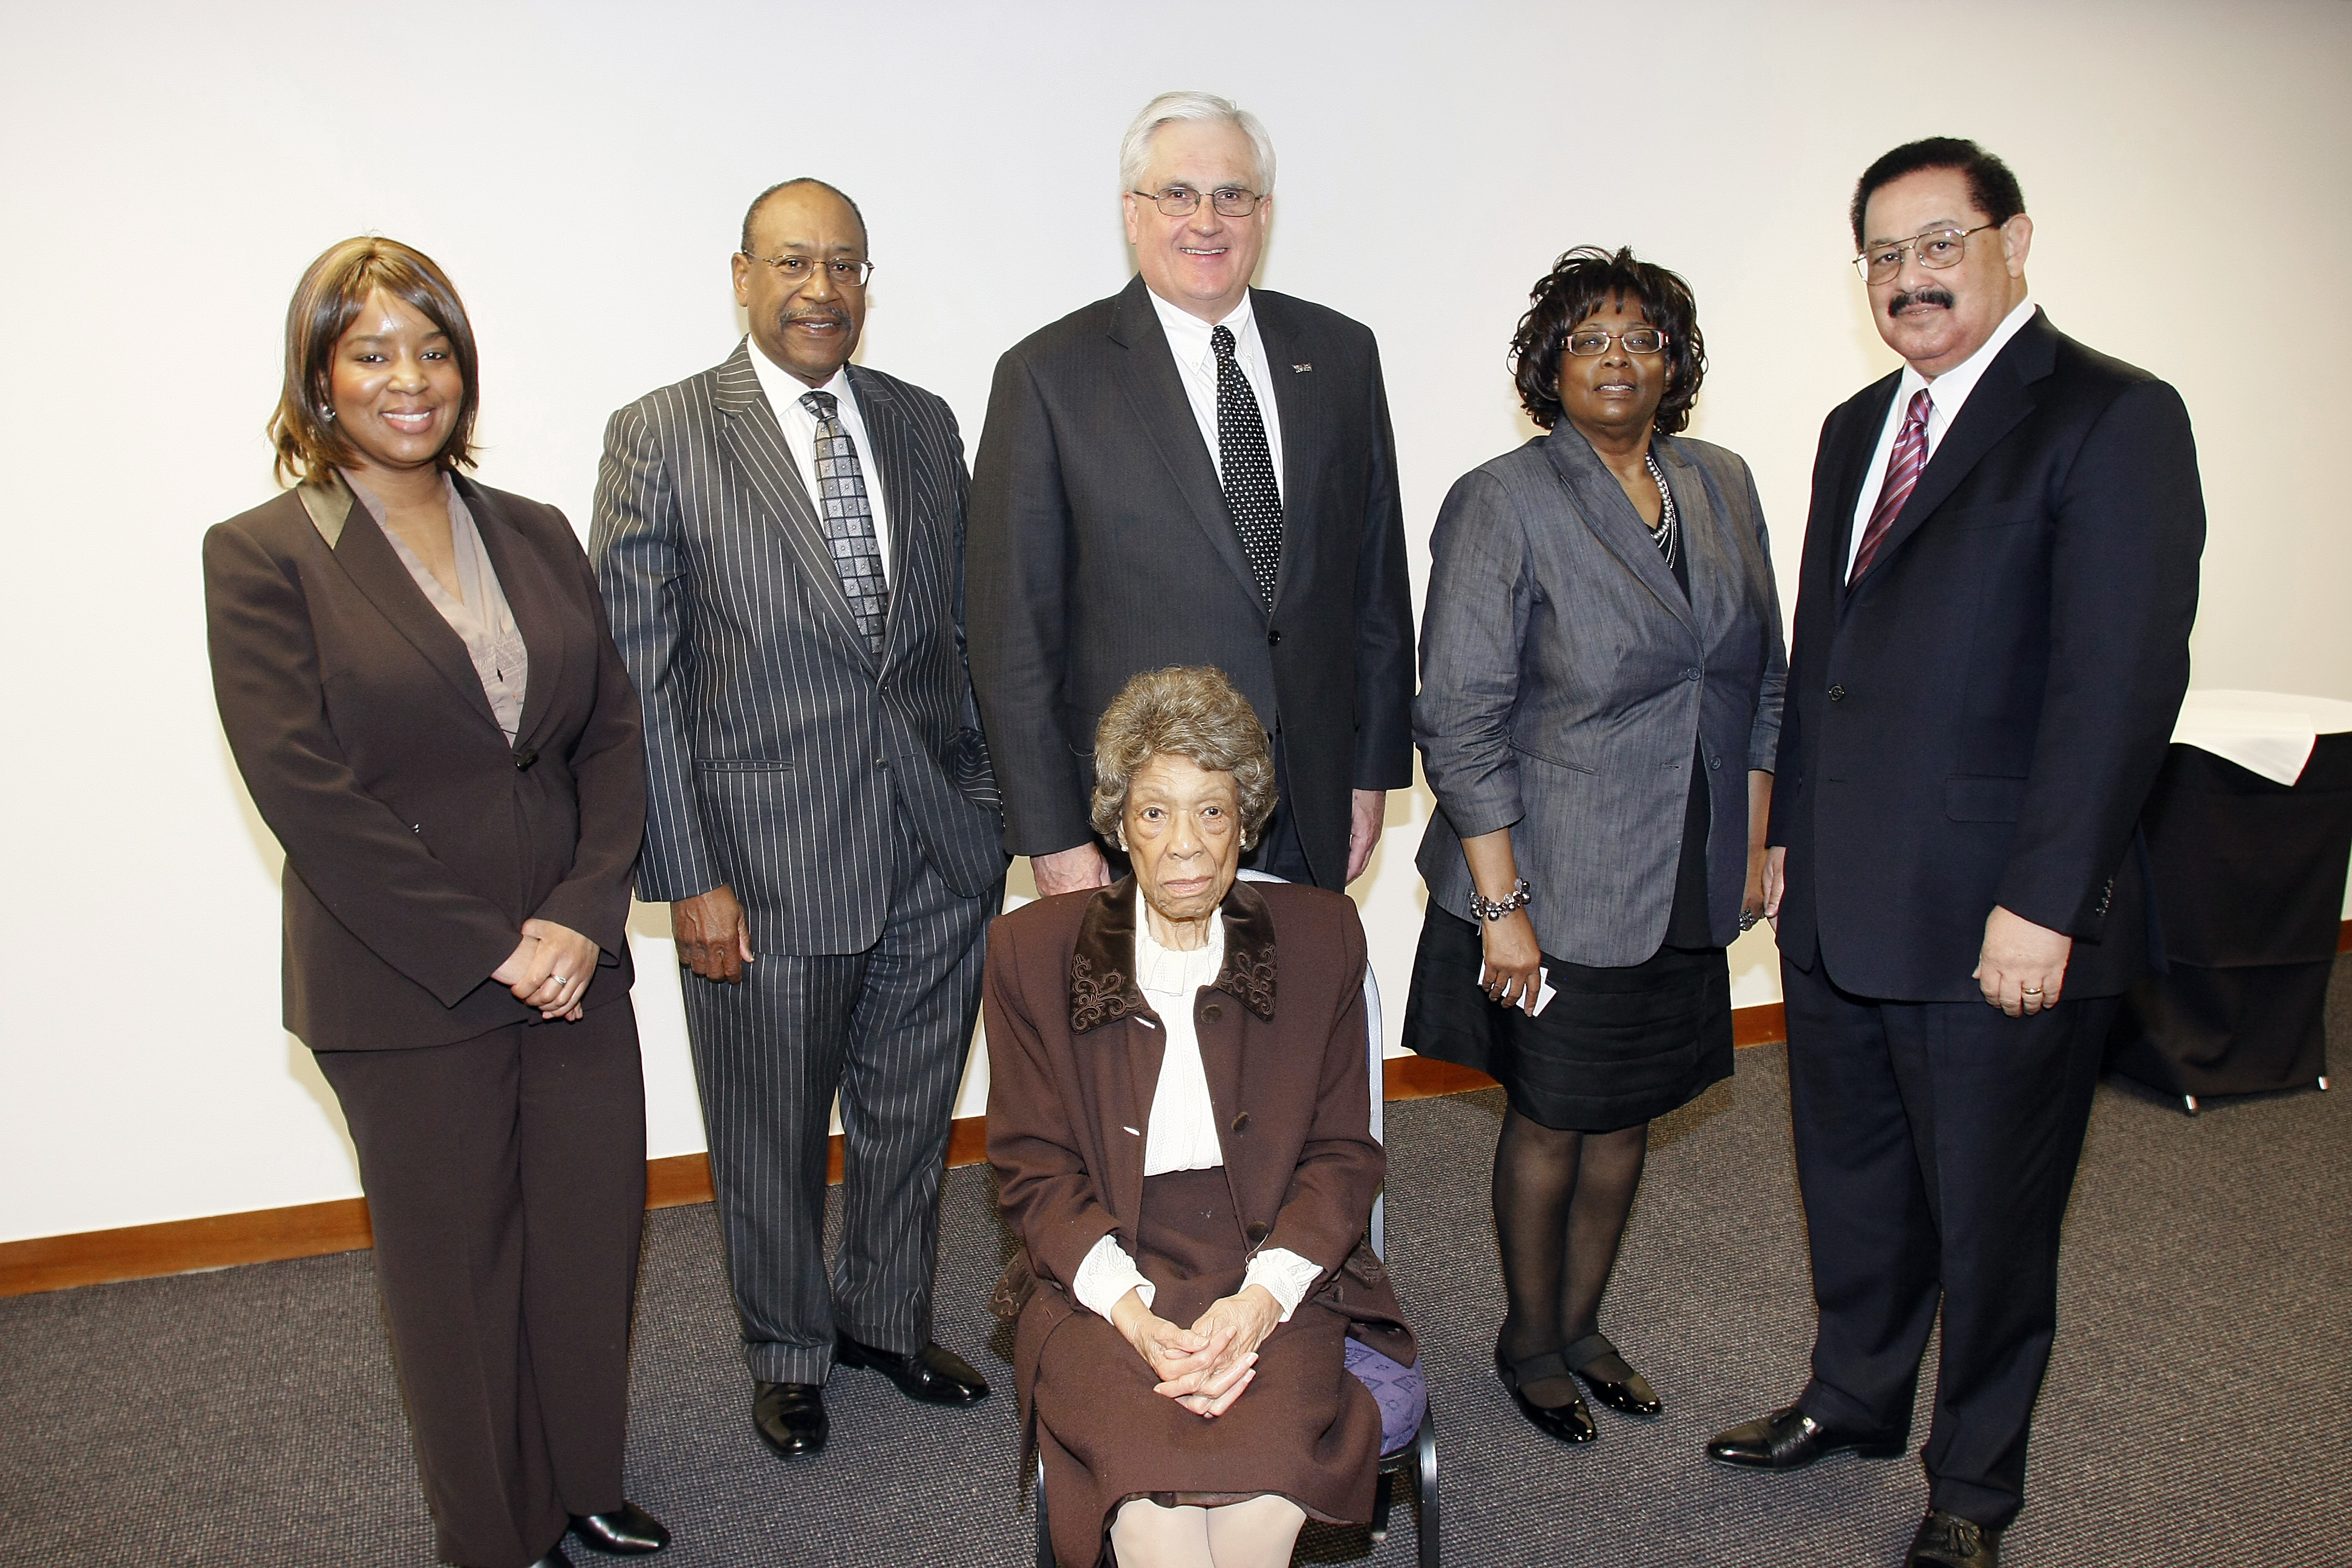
pixel 506 1179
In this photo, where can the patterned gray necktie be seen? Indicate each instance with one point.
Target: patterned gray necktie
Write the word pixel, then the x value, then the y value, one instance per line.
pixel 848 519
pixel 1250 493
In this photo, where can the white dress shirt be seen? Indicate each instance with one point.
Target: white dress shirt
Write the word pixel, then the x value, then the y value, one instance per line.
pixel 1181 1134
pixel 1946 393
pixel 1196 366
pixel 784 391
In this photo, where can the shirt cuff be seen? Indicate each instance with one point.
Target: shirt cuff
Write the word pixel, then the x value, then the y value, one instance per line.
pixel 1286 1275
pixel 1107 1276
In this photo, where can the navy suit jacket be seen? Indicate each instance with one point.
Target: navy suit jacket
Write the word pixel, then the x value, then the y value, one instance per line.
pixel 1977 720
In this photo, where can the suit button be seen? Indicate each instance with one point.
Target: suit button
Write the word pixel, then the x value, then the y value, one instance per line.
pixel 882 762
pixel 1258 1232
pixel 524 758
pixel 1717 764
pixel 1692 674
pixel 1241 1123
pixel 1837 693
pixel 1274 639
pixel 1212 1011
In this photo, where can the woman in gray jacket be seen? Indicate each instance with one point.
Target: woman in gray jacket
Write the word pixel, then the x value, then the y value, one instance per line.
pixel 1602 671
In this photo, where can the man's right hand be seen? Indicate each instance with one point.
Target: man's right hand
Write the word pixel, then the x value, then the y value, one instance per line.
pixel 713 939
pixel 1072 870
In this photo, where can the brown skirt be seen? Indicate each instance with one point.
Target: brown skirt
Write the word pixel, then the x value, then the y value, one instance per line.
pixel 1303 1429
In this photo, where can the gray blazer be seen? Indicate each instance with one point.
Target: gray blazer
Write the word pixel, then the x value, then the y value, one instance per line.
pixel 782 751
pixel 1564 676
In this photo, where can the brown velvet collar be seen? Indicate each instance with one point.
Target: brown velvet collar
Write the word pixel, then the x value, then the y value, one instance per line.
pixel 1102 968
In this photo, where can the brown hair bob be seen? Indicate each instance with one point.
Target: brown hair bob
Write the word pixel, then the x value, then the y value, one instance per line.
pixel 333 290
pixel 1580 282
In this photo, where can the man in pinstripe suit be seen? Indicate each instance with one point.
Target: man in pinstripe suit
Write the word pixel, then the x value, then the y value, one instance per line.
pixel 780 543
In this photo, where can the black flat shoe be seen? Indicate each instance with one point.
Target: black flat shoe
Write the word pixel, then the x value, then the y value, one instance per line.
pixel 790 1417
pixel 627 1532
pixel 1948 1541
pixel 934 1374
pixel 1570 1422
pixel 1632 1394
pixel 1788 1440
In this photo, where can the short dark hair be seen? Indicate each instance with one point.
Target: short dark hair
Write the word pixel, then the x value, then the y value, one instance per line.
pixel 1580 282
pixel 761 200
pixel 332 292
pixel 1993 189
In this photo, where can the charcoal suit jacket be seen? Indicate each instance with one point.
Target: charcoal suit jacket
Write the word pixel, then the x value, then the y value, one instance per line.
pixel 418 838
pixel 784 754
pixel 1101 546
pixel 1977 720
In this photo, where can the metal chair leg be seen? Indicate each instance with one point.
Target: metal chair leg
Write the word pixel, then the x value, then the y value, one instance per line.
pixel 1037 1490
pixel 2188 1103
pixel 1424 1445
pixel 1382 1492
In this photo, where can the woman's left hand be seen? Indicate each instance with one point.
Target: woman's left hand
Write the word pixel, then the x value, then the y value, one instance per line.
pixel 1759 902
pixel 560 971
pixel 1246 1319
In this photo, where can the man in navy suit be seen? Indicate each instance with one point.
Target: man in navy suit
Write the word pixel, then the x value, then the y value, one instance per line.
pixel 1991 648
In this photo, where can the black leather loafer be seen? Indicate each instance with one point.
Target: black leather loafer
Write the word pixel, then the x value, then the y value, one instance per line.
pixel 1788 1440
pixel 934 1374
pixel 790 1417
pixel 1948 1541
pixel 1570 1422
pixel 627 1532
pixel 1632 1396
pixel 554 1558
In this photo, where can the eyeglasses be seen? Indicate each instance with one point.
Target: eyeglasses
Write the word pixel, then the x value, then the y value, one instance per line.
pixel 795 269
pixel 1938 248
pixel 1182 201
pixel 1585 343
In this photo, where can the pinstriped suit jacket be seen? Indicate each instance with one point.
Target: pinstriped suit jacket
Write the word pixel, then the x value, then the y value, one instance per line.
pixel 779 748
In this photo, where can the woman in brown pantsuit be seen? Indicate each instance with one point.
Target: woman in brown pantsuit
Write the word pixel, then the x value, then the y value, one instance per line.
pixel 1179 1117
pixel 415 679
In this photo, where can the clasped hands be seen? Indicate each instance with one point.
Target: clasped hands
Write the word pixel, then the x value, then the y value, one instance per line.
pixel 1203 1368
pixel 549 968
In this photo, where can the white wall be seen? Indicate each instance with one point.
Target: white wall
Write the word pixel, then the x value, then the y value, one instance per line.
pixel 581 169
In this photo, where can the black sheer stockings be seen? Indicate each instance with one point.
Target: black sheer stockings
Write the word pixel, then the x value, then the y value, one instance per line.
pixel 1561 1200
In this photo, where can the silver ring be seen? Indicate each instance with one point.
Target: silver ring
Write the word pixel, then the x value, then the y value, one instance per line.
pixel 558 980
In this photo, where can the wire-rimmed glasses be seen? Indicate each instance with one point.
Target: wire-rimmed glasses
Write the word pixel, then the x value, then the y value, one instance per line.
pixel 1183 201
pixel 1938 248
pixel 1587 342
pixel 797 271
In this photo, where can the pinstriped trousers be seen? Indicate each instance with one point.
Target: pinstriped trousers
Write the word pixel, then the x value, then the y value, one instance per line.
pixel 888 1028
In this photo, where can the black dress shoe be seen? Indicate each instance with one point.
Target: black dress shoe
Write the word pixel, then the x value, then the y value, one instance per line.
pixel 934 1374
pixel 1570 1422
pixel 1789 1440
pixel 1592 1356
pixel 790 1417
pixel 1948 1541
pixel 554 1558
pixel 627 1532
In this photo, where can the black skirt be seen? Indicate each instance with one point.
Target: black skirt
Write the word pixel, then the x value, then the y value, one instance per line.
pixel 1616 1047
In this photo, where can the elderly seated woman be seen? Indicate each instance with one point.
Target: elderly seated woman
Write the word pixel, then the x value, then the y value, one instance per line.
pixel 1179 1117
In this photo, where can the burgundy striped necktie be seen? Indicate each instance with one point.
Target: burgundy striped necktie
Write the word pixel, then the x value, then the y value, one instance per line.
pixel 1910 456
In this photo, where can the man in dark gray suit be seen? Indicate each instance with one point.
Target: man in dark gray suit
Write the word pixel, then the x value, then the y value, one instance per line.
pixel 1193 471
pixel 780 543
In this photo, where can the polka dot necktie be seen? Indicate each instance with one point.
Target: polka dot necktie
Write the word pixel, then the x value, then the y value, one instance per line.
pixel 848 519
pixel 1903 466
pixel 1250 493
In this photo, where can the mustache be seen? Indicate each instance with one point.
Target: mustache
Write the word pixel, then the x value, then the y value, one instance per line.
pixel 1902 302
pixel 833 313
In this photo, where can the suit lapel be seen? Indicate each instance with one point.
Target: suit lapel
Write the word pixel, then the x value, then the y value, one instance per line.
pixel 534 598
pixel 907 497
pixel 375 569
pixel 1146 374
pixel 2002 398
pixel 1601 505
pixel 1298 402
pixel 749 431
pixel 1706 550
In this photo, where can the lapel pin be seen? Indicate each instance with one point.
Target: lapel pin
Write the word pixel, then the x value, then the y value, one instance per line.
pixel 1300 369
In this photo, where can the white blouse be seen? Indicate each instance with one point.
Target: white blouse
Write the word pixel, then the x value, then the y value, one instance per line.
pixel 1181 1134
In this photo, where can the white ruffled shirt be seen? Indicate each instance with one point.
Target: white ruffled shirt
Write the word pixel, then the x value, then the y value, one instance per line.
pixel 1181 1134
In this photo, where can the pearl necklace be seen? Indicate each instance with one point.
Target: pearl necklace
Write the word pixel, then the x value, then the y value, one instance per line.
pixel 1664 535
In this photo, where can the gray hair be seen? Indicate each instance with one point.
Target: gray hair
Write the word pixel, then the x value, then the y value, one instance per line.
pixel 1184 711
pixel 1135 152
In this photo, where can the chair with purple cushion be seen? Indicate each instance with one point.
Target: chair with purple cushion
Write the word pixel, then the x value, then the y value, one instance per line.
pixel 1407 1430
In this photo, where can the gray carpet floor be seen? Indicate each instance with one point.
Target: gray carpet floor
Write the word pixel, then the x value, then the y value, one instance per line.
pixel 2194 1412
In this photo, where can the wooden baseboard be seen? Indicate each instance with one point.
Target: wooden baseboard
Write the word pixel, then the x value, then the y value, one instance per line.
pixel 2343 938
pixel 308 1230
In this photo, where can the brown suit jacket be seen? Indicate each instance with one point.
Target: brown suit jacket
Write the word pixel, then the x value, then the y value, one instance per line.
pixel 417 839
pixel 1074 1057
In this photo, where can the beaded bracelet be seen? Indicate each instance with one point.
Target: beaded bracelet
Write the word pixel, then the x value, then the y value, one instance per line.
pixel 1496 909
